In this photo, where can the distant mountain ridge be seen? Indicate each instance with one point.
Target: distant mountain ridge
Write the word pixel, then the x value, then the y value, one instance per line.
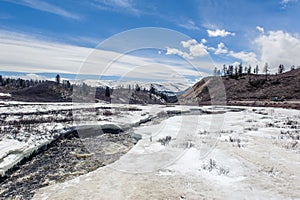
pixel 167 86
pixel 102 81
pixel 245 89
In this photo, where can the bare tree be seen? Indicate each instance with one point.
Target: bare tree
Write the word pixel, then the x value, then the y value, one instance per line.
pixel 256 69
pixel 292 67
pixel 266 70
pixel 215 71
pixel 224 70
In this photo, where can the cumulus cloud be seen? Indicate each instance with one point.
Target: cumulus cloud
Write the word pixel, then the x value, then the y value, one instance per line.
pixel 279 47
pixel 198 50
pixel 219 33
pixel 273 47
pixel 188 43
pixel 195 49
pixel 174 51
pixel 260 29
pixel 246 57
pixel 221 49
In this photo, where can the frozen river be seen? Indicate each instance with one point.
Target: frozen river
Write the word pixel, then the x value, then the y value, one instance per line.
pixel 221 152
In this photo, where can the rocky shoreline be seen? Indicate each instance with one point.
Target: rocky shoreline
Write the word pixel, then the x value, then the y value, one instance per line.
pixel 65 158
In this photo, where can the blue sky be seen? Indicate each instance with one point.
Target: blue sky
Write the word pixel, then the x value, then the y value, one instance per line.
pixel 57 36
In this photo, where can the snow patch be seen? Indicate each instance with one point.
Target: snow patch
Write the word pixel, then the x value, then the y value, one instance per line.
pixel 5 94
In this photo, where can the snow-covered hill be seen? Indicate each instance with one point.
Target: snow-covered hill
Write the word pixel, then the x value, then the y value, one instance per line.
pixel 168 87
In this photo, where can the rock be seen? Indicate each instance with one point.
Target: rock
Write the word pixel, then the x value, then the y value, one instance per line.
pixel 137 137
pixel 82 155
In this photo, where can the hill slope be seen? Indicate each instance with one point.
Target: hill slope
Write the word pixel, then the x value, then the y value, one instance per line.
pixel 52 92
pixel 45 92
pixel 245 88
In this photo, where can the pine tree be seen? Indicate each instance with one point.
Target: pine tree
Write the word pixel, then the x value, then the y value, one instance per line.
pixel 152 89
pixel 249 69
pixel 230 70
pixel 281 69
pixel 107 91
pixel 57 79
pixel 256 69
pixel 68 84
pixel 236 71
pixel 240 69
pixel 137 88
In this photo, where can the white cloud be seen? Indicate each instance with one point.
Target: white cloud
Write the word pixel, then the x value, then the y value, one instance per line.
pixel 32 76
pixel 274 47
pixel 198 50
pixel 246 57
pixel 47 7
pixel 278 47
pixel 235 63
pixel 116 5
pixel 260 29
pixel 190 25
pixel 219 33
pixel 221 49
pixel 35 77
pixel 23 53
pixel 188 43
pixel 288 1
pixel 208 25
pixel 203 40
pixel 195 49
pixel 173 51
pixel 285 3
pixel 85 40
